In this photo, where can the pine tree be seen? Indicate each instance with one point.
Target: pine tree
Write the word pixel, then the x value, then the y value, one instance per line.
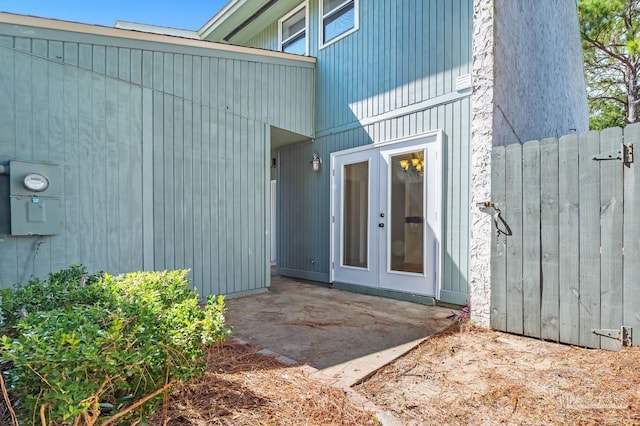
pixel 610 31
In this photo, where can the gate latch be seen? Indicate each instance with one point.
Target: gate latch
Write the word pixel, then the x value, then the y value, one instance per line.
pixel 624 154
pixel 623 335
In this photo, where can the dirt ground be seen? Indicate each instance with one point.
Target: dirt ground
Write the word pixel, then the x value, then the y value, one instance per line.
pixel 468 377
pixel 478 377
pixel 243 387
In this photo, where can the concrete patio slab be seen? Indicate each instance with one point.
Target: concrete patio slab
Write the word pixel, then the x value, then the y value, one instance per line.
pixel 347 335
pixel 356 370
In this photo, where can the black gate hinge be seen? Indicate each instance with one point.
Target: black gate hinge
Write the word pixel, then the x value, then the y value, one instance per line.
pixel 623 335
pixel 624 154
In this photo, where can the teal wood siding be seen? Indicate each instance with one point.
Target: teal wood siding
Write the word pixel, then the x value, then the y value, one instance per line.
pixel 394 77
pixel 405 52
pixel 303 216
pixel 266 39
pixel 164 151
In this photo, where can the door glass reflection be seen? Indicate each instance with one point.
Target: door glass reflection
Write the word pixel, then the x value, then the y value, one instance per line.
pixel 356 213
pixel 407 212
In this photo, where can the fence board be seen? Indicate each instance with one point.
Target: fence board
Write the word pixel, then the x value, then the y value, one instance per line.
pixel 631 239
pixel 611 236
pixel 550 305
pixel 589 239
pixel 513 217
pixel 568 242
pixel 570 265
pixel 498 244
pixel 531 244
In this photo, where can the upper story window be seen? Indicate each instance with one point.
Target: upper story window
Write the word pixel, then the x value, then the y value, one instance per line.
pixel 293 31
pixel 339 19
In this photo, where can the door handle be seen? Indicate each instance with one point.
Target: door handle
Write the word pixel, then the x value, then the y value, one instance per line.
pixel 381 225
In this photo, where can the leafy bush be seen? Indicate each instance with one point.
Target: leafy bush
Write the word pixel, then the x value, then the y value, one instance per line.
pixel 67 287
pixel 91 347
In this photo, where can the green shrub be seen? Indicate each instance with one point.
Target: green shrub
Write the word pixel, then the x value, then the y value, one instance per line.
pixel 67 287
pixel 93 346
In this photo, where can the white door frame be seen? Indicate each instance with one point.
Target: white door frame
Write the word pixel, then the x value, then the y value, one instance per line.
pixel 357 275
pixel 274 239
pixel 433 140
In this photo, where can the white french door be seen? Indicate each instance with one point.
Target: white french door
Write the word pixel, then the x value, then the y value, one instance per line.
pixel 386 203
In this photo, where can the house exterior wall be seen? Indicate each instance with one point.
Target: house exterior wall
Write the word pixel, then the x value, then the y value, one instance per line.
pixel 394 77
pixel 304 215
pixel 528 85
pixel 163 150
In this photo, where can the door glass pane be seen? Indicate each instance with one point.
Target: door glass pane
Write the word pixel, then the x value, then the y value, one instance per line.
pixel 356 213
pixel 407 212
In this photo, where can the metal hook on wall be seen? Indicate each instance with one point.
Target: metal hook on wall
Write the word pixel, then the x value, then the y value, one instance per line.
pixel 501 225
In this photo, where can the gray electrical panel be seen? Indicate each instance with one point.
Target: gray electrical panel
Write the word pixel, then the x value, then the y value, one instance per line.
pixel 34 192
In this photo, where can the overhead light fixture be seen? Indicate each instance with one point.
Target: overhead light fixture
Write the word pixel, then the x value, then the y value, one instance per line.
pixel 410 168
pixel 316 162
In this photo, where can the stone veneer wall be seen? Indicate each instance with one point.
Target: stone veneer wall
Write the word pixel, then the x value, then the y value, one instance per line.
pixel 482 101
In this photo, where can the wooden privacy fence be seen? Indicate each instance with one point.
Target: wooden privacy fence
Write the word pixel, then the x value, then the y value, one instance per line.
pixel 570 269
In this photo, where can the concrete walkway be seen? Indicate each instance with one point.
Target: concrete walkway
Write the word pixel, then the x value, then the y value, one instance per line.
pixel 345 335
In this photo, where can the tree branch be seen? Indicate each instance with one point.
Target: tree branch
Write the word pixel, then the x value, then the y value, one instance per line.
pixel 609 98
pixel 111 420
pixel 602 47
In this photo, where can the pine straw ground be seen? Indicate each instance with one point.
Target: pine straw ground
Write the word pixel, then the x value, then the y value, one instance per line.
pixel 478 377
pixel 460 377
pixel 243 387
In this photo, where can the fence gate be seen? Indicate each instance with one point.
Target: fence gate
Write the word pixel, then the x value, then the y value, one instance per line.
pixel 565 261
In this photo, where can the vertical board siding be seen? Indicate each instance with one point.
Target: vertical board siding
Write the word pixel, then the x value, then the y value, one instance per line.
pixel 266 38
pixel 162 155
pixel 174 74
pixel 303 221
pixel 570 257
pixel 403 53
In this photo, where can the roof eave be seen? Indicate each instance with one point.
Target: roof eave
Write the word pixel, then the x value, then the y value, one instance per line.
pixel 99 30
pixel 215 23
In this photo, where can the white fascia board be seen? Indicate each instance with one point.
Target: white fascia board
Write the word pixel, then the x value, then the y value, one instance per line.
pixel 220 17
pixel 156 29
pixel 77 27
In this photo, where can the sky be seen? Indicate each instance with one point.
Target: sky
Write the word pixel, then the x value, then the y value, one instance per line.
pixel 184 14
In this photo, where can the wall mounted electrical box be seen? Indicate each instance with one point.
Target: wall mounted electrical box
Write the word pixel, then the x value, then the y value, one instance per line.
pixel 34 192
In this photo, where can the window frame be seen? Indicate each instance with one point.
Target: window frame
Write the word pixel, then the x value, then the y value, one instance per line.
pixel 322 16
pixel 293 11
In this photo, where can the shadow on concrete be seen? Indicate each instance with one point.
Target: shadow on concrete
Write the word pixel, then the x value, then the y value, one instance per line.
pixel 324 327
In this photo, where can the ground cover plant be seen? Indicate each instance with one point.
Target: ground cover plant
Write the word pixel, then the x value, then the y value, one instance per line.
pixel 82 350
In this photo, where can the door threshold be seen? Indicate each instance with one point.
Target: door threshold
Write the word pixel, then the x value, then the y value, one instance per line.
pixel 391 294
